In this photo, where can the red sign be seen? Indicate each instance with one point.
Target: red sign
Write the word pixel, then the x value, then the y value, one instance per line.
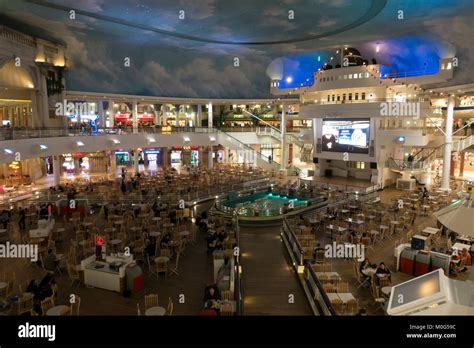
pixel 99 240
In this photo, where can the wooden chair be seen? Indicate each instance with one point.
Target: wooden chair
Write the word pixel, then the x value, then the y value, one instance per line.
pixel 327 267
pixel 73 274
pixel 352 307
pixel 174 270
pixel 161 266
pixel 342 287
pixel 76 306
pixel 226 309
pixel 227 295
pixel 169 308
pixel 338 305
pixel 25 304
pixel 47 304
pixel 151 300
pixel 328 287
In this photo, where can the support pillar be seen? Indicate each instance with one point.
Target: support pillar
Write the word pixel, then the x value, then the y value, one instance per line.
pixel 210 160
pixel 135 161
pixel 453 163
pixel 284 153
pixel 198 115
pixel 111 114
pixel 209 115
pixel 102 116
pixel 57 170
pixel 165 157
pixel 135 116
pixel 448 143
pixel 462 159
pixel 113 164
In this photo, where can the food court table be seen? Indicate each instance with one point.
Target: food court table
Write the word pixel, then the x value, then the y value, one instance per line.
pixel 155 311
pixel 461 246
pixel 57 310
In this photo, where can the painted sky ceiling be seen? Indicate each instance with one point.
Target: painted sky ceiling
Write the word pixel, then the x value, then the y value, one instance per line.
pixel 192 53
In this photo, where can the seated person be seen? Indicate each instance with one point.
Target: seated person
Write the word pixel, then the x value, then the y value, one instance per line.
pixel 467 256
pixel 212 298
pixel 32 288
pixel 50 261
pixel 383 272
pixel 150 248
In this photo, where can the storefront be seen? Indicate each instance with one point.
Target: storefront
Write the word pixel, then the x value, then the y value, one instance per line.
pixel 122 157
pixel 152 158
pixel 15 113
pixel 84 163
pixel 146 115
pixel 273 150
pixel 185 155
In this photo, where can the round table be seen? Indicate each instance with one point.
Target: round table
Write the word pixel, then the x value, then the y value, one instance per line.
pixel 155 311
pixel 156 218
pixel 386 290
pixel 162 259
pixel 2 231
pixel 115 242
pixel 369 272
pixel 184 234
pixel 57 310
pixel 118 222
pixel 168 225
pixel 3 285
pixel 155 234
pixel 87 224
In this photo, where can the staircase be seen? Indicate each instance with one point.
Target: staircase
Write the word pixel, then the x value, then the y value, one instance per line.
pixel 424 157
pixel 306 149
pixel 232 143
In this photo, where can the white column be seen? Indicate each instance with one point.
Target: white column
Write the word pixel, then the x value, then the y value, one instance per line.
pixel 448 143
pixel 157 117
pixel 56 170
pixel 102 116
pixel 135 160
pixel 198 115
pixel 284 152
pixel 135 116
pixel 111 113
pixel 210 161
pixel 113 164
pixel 209 115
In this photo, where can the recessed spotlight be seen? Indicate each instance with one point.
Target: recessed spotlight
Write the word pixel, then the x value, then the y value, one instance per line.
pixel 80 143
pixel 186 139
pixel 151 140
pixel 8 151
pixel 116 141
pixel 43 147
pixel 212 138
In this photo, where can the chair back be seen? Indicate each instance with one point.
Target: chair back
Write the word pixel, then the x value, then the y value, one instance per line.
pixel 47 304
pixel 151 300
pixel 343 287
pixel 76 306
pixel 169 308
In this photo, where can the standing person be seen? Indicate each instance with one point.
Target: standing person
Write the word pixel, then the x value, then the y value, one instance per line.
pixel 269 158
pixel 22 219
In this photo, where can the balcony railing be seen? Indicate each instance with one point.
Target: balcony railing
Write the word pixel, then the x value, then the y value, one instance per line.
pixel 31 133
pixel 367 100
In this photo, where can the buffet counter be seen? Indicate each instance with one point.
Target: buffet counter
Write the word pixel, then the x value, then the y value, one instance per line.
pixel 108 274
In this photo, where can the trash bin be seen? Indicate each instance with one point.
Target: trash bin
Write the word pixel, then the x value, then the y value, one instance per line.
pixel 135 279
pixel 422 263
pixel 407 260
pixel 440 261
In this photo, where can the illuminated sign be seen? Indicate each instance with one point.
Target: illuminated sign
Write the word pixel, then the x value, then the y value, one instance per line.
pixel 99 240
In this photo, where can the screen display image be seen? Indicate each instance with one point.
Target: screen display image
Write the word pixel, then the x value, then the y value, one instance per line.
pixel 346 135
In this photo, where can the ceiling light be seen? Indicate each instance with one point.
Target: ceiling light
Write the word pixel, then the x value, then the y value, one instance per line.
pixel 43 147
pixel 8 151
pixel 289 79
pixel 186 139
pixel 151 140
pixel 116 141
pixel 212 138
pixel 80 143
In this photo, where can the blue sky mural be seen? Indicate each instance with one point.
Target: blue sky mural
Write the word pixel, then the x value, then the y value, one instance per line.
pixel 176 55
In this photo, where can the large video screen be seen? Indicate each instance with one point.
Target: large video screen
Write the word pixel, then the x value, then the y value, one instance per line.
pixel 346 135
